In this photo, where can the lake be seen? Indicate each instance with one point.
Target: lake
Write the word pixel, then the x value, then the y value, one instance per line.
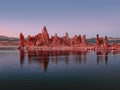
pixel 65 70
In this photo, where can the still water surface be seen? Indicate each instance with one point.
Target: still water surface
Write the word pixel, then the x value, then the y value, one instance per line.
pixel 85 70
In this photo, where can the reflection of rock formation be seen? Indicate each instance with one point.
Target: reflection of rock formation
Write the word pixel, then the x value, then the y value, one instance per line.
pixel 41 57
pixel 80 56
pixel 22 57
pixel 44 57
pixel 84 56
pixel 102 55
pixel 45 60
pixel 56 56
pixel 77 56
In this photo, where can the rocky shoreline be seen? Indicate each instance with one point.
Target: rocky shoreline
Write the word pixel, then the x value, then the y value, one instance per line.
pixel 74 48
pixel 8 47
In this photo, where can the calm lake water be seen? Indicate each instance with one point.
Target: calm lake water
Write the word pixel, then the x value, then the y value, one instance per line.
pixel 78 70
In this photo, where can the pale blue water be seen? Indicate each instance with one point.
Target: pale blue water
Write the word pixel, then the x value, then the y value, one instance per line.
pixel 87 70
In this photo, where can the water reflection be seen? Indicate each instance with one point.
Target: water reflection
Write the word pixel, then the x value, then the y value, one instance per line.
pixel 22 57
pixel 43 57
pixel 102 56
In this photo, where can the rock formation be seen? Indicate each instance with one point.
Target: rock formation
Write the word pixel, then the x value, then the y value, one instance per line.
pixel 56 41
pixel 22 39
pixel 106 41
pixel 97 40
pixel 66 40
pixel 101 41
pixel 84 41
pixel 45 36
pixel 43 40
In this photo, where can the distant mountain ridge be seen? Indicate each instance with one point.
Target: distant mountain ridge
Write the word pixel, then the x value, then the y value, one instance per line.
pixel 90 40
pixel 110 40
pixel 6 38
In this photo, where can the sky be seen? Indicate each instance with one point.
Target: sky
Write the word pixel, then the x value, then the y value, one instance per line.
pixel 76 17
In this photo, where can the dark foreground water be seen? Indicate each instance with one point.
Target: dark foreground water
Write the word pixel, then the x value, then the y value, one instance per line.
pixel 83 70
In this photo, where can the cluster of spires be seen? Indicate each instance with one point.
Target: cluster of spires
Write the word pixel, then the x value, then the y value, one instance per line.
pixel 43 40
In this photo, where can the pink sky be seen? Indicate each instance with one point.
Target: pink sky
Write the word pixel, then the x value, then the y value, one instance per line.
pixel 88 17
